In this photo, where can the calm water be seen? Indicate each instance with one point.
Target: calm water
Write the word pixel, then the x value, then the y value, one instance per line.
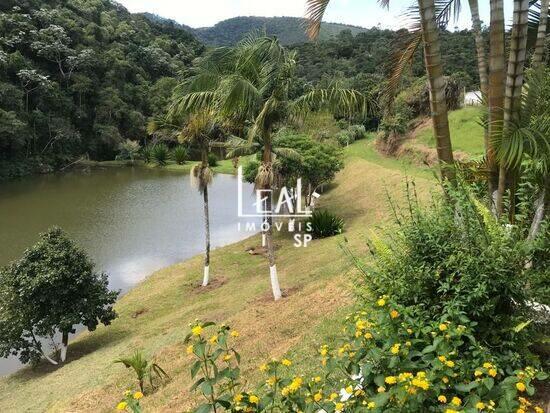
pixel 131 221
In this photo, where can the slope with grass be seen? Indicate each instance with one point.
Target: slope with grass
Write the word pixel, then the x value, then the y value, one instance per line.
pixel 155 315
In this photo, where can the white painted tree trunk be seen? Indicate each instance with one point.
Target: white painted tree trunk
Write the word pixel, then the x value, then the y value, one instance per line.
pixel 63 355
pixel 275 283
pixel 206 276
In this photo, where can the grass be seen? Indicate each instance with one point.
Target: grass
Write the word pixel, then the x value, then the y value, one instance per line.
pixel 466 132
pixel 225 166
pixel 154 316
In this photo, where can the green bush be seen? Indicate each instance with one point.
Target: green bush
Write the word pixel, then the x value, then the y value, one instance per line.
pixel 212 160
pixel 147 154
pixel 160 154
pixel 128 150
pixel 345 138
pixel 180 154
pixel 324 224
pixel 455 256
pixel 357 131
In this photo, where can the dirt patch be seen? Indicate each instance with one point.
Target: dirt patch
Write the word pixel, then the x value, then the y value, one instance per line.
pixel 259 250
pixel 139 312
pixel 212 285
pixel 267 297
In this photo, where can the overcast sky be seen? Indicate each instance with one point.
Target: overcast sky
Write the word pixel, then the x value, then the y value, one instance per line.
pixel 365 13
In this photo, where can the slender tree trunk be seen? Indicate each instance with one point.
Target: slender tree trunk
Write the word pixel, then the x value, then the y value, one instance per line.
pixel 497 76
pixel 541 205
pixel 514 85
pixel 206 275
pixel 438 103
pixel 538 56
pixel 64 345
pixel 481 59
pixel 268 232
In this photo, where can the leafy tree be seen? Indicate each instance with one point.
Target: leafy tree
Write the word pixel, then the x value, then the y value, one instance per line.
pixel 47 292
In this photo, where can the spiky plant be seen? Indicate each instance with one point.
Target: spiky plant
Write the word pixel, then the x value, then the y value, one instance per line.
pixel 144 369
pixel 160 154
pixel 180 154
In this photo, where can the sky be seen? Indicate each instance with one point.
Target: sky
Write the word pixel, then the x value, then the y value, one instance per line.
pixel 365 13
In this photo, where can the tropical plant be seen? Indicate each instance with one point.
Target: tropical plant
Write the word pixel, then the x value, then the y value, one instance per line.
pixel 47 292
pixel 180 154
pixel 144 369
pixel 212 160
pixel 323 223
pixel 250 83
pixel 147 153
pixel 345 138
pixel 161 154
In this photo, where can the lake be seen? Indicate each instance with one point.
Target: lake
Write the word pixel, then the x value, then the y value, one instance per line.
pixel 131 221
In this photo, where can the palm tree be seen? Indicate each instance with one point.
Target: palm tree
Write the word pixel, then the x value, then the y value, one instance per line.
pixel 538 55
pixel 434 68
pixel 201 130
pixel 250 83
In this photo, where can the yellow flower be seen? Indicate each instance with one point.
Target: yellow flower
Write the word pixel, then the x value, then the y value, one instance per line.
pixel 480 405
pixel 339 407
pixel 395 348
pixel 445 380
pixel 381 302
pixel 456 401
pixel 253 399
pixel 349 389
pixel 332 396
pixel 450 363
pixel 442 327
pixel 487 365
pixel 450 411
pixel 286 362
pixel 264 367
pixel 368 336
pixel 478 373
pixel 391 380
pixel 197 330
pixel 538 410
pixel 492 372
pixel 234 334
pixel 213 339
pixel 190 349
pixel 323 350
pixel 295 384
pixel 442 359
pixel 318 396
pixel 409 331
pixel 271 381
pixel 442 399
pixel 317 379
pixel 381 389
pixel 394 314
pixel 138 395
pixel 520 386
pixel 121 406
pixel 520 410
pixel 238 397
pixel 371 405
pixel 227 357
pixel 408 343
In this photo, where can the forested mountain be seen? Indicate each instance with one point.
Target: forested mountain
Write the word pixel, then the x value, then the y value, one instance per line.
pixel 78 76
pixel 289 30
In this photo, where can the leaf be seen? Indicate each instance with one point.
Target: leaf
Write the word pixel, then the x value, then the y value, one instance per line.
pixel 466 388
pixel 206 388
pixel 521 326
pixel 203 408
pixel 195 368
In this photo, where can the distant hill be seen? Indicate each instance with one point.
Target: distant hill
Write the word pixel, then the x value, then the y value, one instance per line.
pixel 289 30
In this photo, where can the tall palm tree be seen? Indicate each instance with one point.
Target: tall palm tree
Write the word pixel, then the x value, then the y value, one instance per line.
pixel 434 69
pixel 250 83
pixel 200 130
pixel 538 55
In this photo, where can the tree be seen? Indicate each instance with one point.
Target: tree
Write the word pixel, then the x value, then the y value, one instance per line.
pixel 434 68
pixel 49 291
pixel 250 83
pixel 31 80
pixel 538 55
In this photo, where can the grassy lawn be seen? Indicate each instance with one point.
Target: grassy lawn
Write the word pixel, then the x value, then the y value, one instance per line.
pixel 466 132
pixel 155 315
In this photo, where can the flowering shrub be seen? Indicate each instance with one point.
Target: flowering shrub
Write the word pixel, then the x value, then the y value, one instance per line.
pixel 386 361
pixel 130 403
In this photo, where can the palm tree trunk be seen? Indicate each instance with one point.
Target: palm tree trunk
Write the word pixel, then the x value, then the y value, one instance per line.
pixel 497 77
pixel 538 55
pixel 514 85
pixel 481 59
pixel 268 231
pixel 206 275
pixel 438 103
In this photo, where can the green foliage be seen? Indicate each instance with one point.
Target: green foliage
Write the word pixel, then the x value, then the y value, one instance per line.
pixel 216 367
pixel 345 138
pixel 147 153
pixel 250 171
pixel 387 360
pixel 325 224
pixel 455 257
pixel 51 289
pixel 81 78
pixel 160 154
pixel 129 150
pixel 144 369
pixel 180 154
pixel 212 160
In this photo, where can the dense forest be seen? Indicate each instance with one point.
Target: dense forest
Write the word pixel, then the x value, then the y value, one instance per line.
pixel 289 30
pixel 78 76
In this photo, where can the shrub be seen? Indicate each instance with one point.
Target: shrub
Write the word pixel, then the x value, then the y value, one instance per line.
pixel 160 154
pixel 345 138
pixel 357 131
pixel 325 224
pixel 180 154
pixel 147 154
pixel 128 150
pixel 212 160
pixel 455 256
pixel 144 370
pixel 385 361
